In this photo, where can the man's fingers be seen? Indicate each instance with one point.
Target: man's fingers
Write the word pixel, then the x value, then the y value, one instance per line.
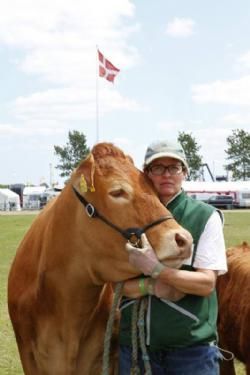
pixel 144 241
pixel 130 247
pixel 145 245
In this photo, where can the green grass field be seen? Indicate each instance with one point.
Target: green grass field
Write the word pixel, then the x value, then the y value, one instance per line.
pixel 12 229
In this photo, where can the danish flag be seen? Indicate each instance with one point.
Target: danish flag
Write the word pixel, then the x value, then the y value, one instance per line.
pixel 106 68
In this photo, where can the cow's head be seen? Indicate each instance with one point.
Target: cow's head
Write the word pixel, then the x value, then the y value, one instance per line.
pixel 122 194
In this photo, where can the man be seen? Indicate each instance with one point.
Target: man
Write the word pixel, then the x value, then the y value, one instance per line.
pixel 181 315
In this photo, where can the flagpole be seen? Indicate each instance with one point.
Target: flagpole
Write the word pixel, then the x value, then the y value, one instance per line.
pixel 105 69
pixel 97 96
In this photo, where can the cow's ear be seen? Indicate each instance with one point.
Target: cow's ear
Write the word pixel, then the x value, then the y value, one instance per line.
pixel 85 173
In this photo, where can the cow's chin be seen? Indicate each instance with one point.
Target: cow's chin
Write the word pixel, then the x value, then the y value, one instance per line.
pixel 173 263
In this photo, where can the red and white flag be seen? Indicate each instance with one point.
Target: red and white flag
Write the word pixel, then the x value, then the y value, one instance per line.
pixel 106 68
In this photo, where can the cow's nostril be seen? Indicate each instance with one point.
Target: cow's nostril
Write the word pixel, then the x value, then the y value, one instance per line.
pixel 180 240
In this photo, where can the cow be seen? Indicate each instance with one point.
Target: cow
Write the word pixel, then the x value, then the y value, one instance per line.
pixel 60 282
pixel 233 290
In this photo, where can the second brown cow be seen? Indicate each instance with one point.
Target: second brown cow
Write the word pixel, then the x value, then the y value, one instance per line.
pixel 234 308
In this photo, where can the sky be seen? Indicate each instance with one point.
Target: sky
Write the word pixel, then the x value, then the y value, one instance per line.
pixel 184 67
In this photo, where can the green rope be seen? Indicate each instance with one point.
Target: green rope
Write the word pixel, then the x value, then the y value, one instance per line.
pixel 109 329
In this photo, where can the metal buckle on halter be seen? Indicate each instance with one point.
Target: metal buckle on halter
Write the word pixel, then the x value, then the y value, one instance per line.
pixel 133 236
pixel 90 210
pixel 134 240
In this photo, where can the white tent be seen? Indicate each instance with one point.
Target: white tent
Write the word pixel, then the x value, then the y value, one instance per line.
pixel 51 193
pixel 32 196
pixel 9 201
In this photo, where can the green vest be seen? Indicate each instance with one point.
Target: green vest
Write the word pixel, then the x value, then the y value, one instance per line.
pixel 191 320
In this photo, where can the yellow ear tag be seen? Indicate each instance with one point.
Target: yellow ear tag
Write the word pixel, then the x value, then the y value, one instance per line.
pixel 83 184
pixel 92 189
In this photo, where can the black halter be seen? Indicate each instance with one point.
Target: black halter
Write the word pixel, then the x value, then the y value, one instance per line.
pixel 128 233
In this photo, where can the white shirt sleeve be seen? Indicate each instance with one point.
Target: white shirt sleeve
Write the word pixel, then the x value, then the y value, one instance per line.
pixel 211 251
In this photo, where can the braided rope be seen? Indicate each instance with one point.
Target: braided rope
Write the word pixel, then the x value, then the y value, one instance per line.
pixel 141 325
pixel 109 329
pixel 134 366
pixel 138 321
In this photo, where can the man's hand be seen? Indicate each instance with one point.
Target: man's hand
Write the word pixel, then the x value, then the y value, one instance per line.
pixel 144 259
pixel 163 290
pixel 132 289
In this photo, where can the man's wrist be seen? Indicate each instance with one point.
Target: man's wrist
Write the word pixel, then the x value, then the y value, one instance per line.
pixel 158 268
pixel 151 286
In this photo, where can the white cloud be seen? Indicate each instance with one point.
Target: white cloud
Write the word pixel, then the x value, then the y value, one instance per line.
pixel 70 104
pixel 11 130
pixel 57 44
pixel 237 119
pixel 29 24
pixel 244 60
pixel 58 41
pixel 180 27
pixel 236 92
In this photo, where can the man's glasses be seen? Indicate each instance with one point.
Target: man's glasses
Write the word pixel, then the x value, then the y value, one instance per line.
pixel 160 170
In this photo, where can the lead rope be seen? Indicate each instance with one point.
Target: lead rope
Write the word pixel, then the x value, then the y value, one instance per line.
pixel 109 329
pixel 135 370
pixel 138 324
pixel 141 325
pixel 138 320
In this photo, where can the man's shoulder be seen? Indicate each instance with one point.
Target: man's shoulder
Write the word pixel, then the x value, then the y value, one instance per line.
pixel 202 206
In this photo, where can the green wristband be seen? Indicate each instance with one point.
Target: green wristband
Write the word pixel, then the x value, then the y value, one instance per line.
pixel 142 288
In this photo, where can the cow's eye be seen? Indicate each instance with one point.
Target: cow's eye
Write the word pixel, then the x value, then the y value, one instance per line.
pixel 117 193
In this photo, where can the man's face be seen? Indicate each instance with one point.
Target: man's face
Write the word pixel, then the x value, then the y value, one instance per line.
pixel 167 181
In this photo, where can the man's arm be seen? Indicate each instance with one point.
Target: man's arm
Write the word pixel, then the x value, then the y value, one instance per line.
pixel 201 282
pixel 210 261
pixel 132 289
pixel 173 284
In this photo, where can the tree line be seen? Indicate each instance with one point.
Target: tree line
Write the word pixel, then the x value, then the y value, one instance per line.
pixel 237 154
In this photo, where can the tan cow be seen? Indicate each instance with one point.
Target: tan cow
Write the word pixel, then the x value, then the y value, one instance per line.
pixel 234 308
pixel 58 295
